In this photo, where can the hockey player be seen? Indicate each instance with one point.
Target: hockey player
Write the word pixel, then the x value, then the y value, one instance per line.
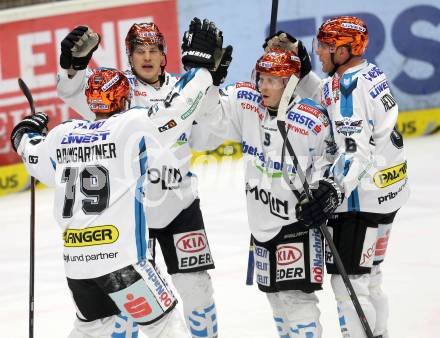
pixel 173 205
pixel 98 170
pixel 370 169
pixel 288 254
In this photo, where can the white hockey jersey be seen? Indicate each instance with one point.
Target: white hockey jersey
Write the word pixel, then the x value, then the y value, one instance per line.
pixel 99 170
pixel 270 201
pixel 173 187
pixel 371 166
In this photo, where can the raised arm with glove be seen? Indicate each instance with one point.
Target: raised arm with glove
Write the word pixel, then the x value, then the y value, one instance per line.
pixel 77 49
pixel 285 41
pixel 202 47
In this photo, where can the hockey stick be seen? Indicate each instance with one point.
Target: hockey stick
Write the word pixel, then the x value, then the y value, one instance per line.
pixel 273 17
pixel 251 260
pixel 24 88
pixel 281 122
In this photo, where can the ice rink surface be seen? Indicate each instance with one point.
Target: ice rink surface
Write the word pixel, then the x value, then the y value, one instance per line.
pixel 411 270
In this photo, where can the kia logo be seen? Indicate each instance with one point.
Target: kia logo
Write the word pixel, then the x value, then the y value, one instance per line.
pixel 193 242
pixel 287 254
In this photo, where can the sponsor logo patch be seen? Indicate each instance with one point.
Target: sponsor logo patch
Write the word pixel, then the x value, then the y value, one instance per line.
pixel 262 265
pixel 316 256
pixel 382 241
pixel 350 25
pixel 379 88
pixel 247 95
pixel 392 194
pixel 77 138
pixel 290 262
pixel 193 107
pixel 368 249
pixel 99 235
pixel 389 176
pixel 245 84
pixel 277 207
pixel 388 101
pixel 138 307
pixel 110 83
pixel 33 159
pixel 192 249
pixel 170 124
pixel 373 73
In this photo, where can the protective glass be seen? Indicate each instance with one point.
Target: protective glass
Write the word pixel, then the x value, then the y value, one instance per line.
pixel 323 46
pixel 271 82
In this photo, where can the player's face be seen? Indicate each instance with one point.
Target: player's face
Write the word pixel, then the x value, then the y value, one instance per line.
pixel 146 61
pixel 324 50
pixel 271 89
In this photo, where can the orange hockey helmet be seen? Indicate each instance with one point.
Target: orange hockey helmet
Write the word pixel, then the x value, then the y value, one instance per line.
pixel 108 91
pixel 279 62
pixel 345 31
pixel 144 34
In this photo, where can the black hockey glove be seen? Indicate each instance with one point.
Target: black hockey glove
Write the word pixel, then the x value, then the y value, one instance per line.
pixel 222 64
pixel 285 41
pixel 36 123
pixel 200 43
pixel 77 48
pixel 326 198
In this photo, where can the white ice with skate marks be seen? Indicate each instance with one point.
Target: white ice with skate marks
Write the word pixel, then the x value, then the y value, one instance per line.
pixel 412 267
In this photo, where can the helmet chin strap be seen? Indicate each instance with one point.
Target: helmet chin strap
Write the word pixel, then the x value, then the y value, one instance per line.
pixel 337 65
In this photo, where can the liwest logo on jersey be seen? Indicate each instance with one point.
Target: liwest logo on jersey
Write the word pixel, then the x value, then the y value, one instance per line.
pixel 99 235
pixel 290 262
pixel 305 121
pixel 192 249
pixel 389 176
pixel 85 138
pixel 277 207
pixel 348 127
pixel 379 88
pixel 373 73
pixel 316 256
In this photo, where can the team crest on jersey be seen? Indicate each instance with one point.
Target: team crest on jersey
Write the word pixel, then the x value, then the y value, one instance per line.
pixel 348 127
